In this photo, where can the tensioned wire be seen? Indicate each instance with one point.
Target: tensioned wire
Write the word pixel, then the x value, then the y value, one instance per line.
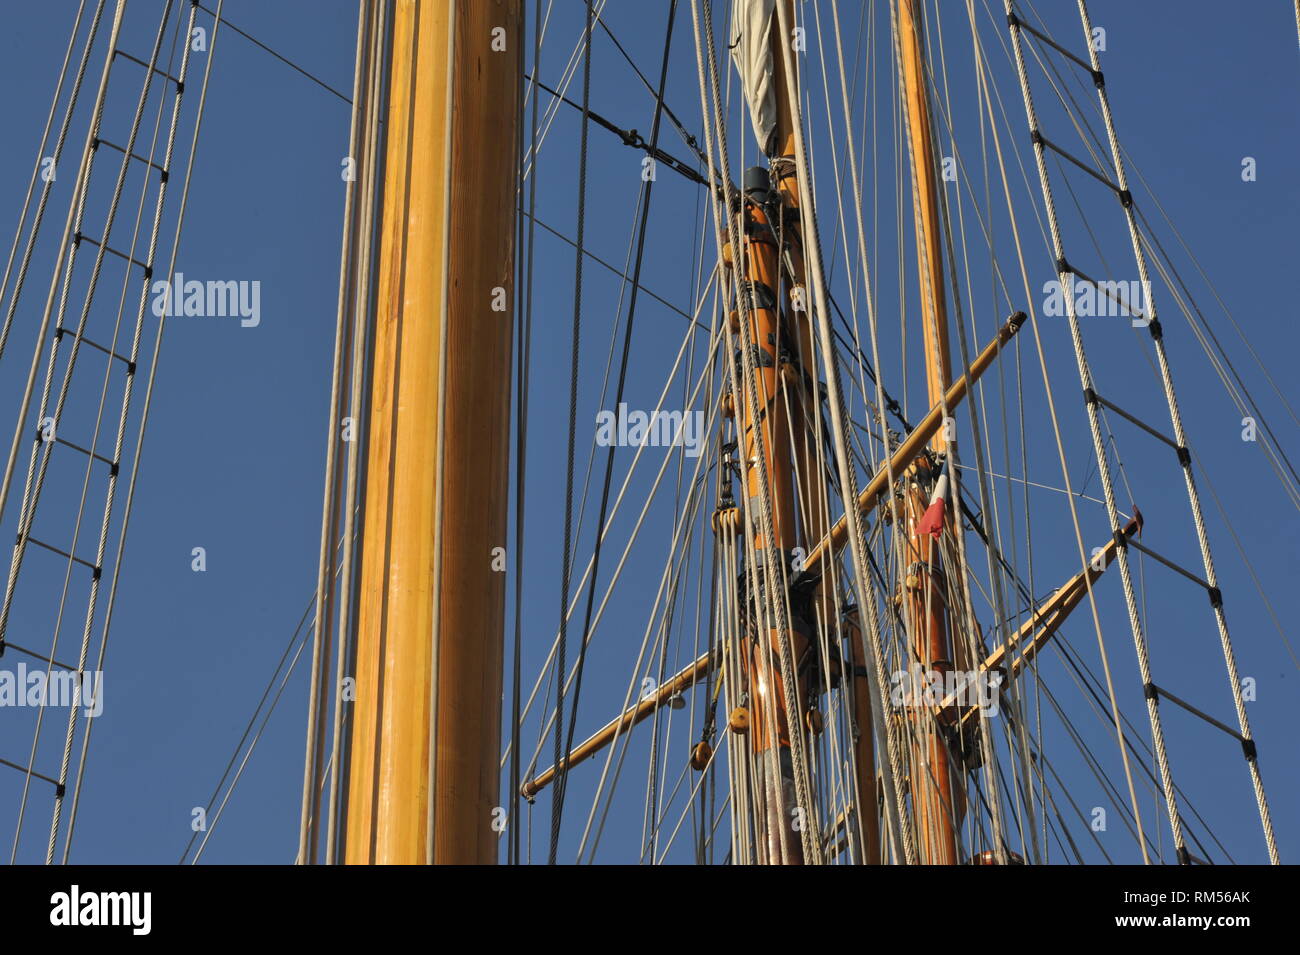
pixel 702 711
pixel 256 737
pixel 930 295
pixel 645 206
pixel 1024 805
pixel 855 801
pixel 566 77
pixel 1092 137
pixel 609 523
pixel 356 206
pixel 689 521
pixel 635 531
pixel 42 449
pixel 775 572
pixel 663 721
pixel 648 187
pixel 684 520
pixel 1216 361
pixel 635 287
pixel 1238 392
pixel 638 74
pixel 902 836
pixel 252 721
pixel 82 176
pixel 523 367
pixel 364 292
pixel 626 482
pixel 864 368
pixel 983 97
pixel 73 215
pixel 38 167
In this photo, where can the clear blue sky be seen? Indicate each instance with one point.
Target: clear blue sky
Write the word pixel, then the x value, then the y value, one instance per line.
pixel 234 455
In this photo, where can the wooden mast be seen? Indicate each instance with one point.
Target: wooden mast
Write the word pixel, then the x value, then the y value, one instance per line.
pixel 760 264
pixel 936 802
pixel 429 639
pixel 938 371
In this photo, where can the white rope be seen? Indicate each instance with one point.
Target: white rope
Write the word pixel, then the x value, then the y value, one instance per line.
pixel 774 586
pixel 144 418
pixel 984 88
pixel 40 159
pixel 883 724
pixel 353 208
pixel 1180 437
pixel 1103 463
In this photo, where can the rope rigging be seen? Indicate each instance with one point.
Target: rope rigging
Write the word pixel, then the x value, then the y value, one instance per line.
pixel 759 599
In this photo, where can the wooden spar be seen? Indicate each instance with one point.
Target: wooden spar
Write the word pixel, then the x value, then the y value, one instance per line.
pixel 913 444
pixel 436 489
pixel 938 803
pixel 684 679
pixel 925 207
pixel 827 545
pixel 1051 615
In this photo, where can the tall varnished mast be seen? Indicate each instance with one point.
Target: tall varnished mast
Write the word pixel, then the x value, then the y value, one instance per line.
pixel 936 802
pixel 422 779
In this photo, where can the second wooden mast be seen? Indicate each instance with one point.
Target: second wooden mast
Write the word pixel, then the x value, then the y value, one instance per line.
pixel 938 801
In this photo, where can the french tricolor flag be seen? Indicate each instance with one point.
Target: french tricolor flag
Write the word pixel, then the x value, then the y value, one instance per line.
pixel 932 520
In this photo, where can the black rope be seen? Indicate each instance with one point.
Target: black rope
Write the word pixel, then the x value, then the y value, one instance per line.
pixel 622 382
pixel 630 137
pixel 283 59
pixel 687 138
pixel 561 769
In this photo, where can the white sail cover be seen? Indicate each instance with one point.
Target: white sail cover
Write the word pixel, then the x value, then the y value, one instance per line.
pixel 751 49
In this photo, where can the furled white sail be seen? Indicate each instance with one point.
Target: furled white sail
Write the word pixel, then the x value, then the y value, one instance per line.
pixel 751 50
